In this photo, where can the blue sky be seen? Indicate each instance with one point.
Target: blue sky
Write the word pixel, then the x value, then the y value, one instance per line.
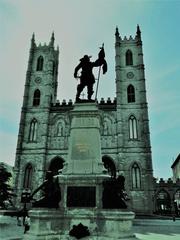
pixel 80 27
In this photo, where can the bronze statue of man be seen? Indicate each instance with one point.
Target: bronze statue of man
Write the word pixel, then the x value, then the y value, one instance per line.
pixel 87 78
pixel 51 192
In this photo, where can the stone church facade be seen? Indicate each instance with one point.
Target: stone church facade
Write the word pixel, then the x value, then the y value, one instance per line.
pixel 125 139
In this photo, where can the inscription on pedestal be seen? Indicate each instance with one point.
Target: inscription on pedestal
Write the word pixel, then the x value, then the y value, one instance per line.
pixel 85 122
pixel 81 196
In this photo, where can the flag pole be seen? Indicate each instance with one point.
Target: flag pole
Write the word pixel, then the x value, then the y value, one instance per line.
pixel 99 73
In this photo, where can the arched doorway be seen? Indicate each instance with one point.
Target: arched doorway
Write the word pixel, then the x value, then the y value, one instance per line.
pixel 177 202
pixel 109 165
pixel 56 165
pixel 163 202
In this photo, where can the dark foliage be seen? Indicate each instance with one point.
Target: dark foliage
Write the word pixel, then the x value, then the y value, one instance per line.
pixel 5 189
pixel 79 231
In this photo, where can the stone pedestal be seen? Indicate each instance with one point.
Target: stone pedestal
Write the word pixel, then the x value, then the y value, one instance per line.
pixel 82 177
pixel 84 155
pixel 102 224
pixel 81 183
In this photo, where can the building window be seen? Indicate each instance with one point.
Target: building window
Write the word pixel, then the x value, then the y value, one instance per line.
pixel 130 94
pixel 54 69
pixel 40 62
pixel 136 176
pixel 129 58
pixel 28 176
pixel 133 128
pixel 177 202
pixel 33 131
pixel 36 98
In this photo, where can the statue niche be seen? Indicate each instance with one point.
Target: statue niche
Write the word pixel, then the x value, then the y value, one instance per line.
pixel 107 130
pixel 60 129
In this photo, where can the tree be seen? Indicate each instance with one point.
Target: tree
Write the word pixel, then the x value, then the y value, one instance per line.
pixel 5 189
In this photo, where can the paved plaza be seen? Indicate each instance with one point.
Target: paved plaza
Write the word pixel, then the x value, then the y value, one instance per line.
pixel 144 229
pixel 156 229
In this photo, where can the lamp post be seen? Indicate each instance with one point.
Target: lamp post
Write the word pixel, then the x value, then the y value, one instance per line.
pixel 25 198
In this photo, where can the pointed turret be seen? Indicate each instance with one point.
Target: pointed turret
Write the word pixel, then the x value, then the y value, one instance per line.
pixel 33 44
pixel 118 38
pixel 138 36
pixel 117 32
pixel 52 40
pixel 138 32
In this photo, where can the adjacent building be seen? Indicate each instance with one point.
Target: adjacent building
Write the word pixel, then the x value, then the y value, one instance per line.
pixel 176 169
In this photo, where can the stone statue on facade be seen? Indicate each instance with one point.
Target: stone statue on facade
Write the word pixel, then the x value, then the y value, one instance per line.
pixel 87 78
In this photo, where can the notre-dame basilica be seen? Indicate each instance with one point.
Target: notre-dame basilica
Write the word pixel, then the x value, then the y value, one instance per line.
pixel 45 123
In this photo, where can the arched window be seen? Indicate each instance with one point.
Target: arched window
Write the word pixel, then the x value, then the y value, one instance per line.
pixel 129 58
pixel 109 165
pixel 51 99
pixel 33 131
pixel 36 98
pixel 54 69
pixel 28 176
pixel 136 177
pixel 133 127
pixel 40 62
pixel 177 202
pixel 177 195
pixel 56 164
pixel 130 94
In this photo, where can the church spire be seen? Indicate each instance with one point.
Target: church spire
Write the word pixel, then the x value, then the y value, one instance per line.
pixel 117 34
pixel 138 32
pixel 33 41
pixel 138 35
pixel 52 40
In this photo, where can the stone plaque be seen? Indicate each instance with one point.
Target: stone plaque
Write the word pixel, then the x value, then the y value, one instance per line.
pixel 81 196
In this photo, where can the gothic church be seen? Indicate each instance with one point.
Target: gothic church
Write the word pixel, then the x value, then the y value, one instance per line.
pixel 125 139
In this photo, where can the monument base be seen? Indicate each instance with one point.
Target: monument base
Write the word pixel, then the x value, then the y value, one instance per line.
pixel 53 224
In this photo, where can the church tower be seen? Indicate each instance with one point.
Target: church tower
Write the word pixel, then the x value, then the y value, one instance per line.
pixel 133 137
pixel 40 92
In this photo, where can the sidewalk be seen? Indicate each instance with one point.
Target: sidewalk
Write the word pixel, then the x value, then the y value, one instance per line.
pixel 144 229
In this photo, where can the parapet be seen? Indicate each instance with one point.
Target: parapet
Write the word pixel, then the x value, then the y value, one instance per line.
pixel 166 182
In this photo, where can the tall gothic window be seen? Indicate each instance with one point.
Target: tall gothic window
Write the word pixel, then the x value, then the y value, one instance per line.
pixel 28 176
pixel 129 58
pixel 36 98
pixel 130 94
pixel 136 176
pixel 133 127
pixel 33 131
pixel 40 62
pixel 54 68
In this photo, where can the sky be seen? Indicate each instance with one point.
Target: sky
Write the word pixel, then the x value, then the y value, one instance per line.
pixel 80 27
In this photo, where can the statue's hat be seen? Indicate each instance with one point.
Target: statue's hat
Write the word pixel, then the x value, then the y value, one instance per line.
pixel 86 57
